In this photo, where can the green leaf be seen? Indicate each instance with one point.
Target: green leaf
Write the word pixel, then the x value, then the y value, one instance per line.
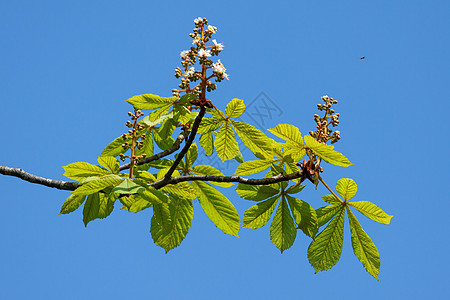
pixel 324 214
pixel 225 143
pixel 255 140
pixel 363 246
pixel 71 204
pixel 110 163
pixel 255 192
pixel 254 166
pixel 331 199
pixel 295 189
pixel 81 170
pixel 170 222
pixel 235 108
pixel 258 215
pixel 347 188
pixel 134 203
pixel 304 215
pixel 163 136
pixel 159 113
pixel 325 250
pixel 218 208
pixel 149 101
pixel 283 229
pixel 161 163
pixel 128 187
pixel 98 206
pixel 207 142
pixel 289 133
pixel 209 125
pixel 147 148
pixel 239 158
pixel 191 155
pixel 327 153
pixel 209 170
pixel 114 148
pixel 372 211
pixel 98 184
pixel 184 190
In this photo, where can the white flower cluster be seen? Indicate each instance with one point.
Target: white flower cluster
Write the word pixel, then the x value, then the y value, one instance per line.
pixel 219 69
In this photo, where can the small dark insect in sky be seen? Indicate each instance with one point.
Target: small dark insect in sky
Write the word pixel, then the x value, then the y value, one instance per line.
pixel 363 57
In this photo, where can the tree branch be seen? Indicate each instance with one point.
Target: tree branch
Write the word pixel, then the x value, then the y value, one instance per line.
pixel 188 144
pixel 169 151
pixel 58 184
pixel 263 181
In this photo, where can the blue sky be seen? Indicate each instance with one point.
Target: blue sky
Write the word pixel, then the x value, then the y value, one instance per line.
pixel 67 67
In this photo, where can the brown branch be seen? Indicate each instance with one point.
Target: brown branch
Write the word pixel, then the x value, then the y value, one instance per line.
pixel 169 151
pixel 188 144
pixel 58 184
pixel 263 181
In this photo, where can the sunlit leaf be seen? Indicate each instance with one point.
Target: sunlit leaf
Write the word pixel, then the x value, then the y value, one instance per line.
pixel 191 155
pixel 331 199
pixel 304 215
pixel 225 143
pixel 297 188
pixel 127 186
pixel 255 192
pixel 363 246
pixel 235 108
pixel 283 229
pixel 326 152
pixel 81 170
pixel 372 211
pixel 258 215
pixel 209 124
pixel 110 163
pixel 149 101
pixel 255 140
pixel 170 222
pixel 97 206
pixel 207 142
pixel 324 214
pixel 347 188
pixel 98 184
pixel 72 203
pixel 254 166
pixel 325 250
pixel 289 133
pixel 218 208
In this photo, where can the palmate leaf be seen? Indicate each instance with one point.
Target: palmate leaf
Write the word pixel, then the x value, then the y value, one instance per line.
pixel 134 203
pixel 72 203
pixel 191 155
pixel 347 188
pixel 255 166
pixel 257 216
pixel 99 184
pixel 283 229
pixel 325 250
pixel 225 143
pixel 331 199
pixel 210 124
pixel 363 246
pixel 372 211
pixel 235 108
pixel 170 222
pixel 289 133
pixel 81 170
pixel 255 140
pixel 304 215
pixel 149 101
pixel 255 192
pixel 109 162
pixel 207 143
pixel 210 170
pixel 127 186
pixel 326 152
pixel 98 206
pixel 324 214
pixel 218 208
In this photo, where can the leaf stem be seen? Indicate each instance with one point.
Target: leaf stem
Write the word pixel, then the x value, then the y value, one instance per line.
pixel 326 185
